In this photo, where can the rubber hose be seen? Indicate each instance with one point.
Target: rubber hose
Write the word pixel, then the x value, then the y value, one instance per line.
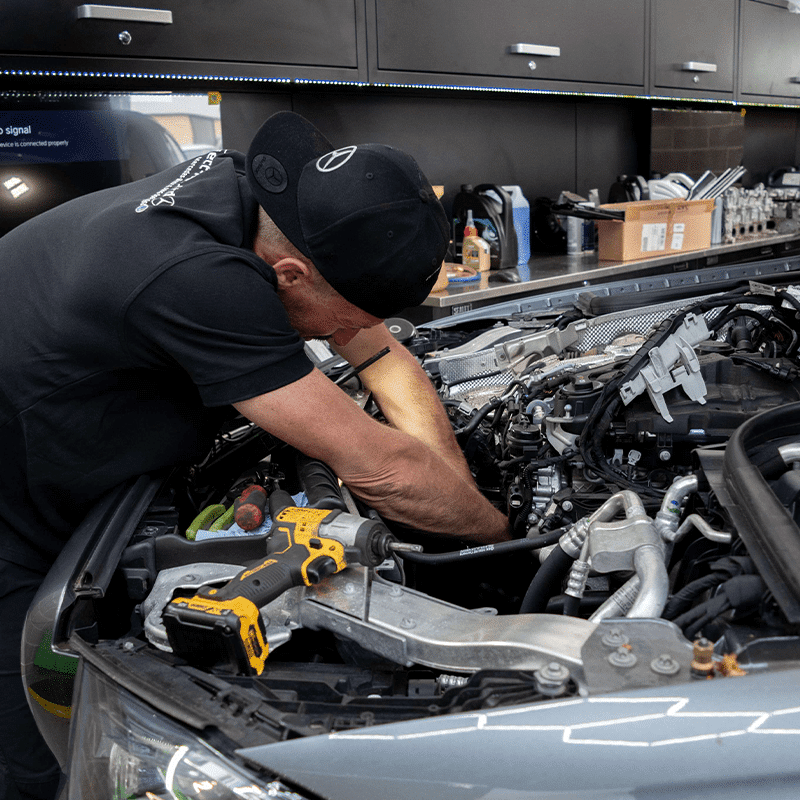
pixel 546 582
pixel 278 501
pixel 319 483
pixel 479 416
pixel 469 553
pixel 572 606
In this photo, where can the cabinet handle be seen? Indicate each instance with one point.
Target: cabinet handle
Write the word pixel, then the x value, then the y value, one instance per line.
pixel 124 13
pixel 535 50
pixel 698 66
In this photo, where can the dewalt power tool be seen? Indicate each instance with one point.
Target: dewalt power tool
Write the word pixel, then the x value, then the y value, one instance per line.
pixel 223 627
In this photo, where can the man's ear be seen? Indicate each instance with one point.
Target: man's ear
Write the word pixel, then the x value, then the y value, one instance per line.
pixel 291 272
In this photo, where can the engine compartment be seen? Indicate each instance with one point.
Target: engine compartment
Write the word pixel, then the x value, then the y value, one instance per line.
pixel 638 560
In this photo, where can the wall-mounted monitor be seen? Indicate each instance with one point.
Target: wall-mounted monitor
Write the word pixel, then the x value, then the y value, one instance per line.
pixel 55 146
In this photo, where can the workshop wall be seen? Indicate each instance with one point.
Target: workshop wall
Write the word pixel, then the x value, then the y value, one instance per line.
pixel 546 144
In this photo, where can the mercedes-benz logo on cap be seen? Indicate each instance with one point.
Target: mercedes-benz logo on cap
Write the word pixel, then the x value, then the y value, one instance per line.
pixel 269 173
pixel 336 158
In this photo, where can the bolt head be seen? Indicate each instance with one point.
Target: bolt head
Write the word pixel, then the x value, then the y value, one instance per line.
pixel 623 657
pixel 665 664
pixel 614 637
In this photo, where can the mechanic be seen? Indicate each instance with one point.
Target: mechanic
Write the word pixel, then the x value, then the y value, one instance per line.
pixel 135 317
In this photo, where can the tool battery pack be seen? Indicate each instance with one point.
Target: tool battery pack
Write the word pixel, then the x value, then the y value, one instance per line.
pixel 225 634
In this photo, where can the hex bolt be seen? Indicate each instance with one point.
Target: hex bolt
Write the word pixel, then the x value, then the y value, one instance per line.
pixel 349 588
pixel 396 591
pixel 551 680
pixel 567 505
pixel 128 645
pixel 623 657
pixel 125 37
pixel 665 455
pixel 665 664
pixel 614 638
pixel 408 623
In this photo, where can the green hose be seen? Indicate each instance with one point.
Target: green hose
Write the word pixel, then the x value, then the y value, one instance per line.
pixel 205 518
pixel 224 522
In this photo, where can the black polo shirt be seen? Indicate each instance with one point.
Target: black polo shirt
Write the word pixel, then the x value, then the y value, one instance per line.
pixel 130 317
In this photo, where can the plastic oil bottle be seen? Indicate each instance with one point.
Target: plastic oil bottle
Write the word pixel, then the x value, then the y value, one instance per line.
pixel 475 251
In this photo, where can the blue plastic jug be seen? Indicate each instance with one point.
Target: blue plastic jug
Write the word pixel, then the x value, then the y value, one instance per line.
pixel 522 223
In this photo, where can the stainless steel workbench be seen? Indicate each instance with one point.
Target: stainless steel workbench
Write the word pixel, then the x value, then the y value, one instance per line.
pixel 547 273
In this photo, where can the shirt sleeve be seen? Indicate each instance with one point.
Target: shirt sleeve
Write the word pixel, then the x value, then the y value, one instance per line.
pixel 218 317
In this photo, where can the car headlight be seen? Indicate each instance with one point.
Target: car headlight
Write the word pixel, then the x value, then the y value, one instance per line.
pixel 123 749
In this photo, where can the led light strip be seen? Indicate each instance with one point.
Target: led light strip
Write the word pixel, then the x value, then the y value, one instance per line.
pixel 80 74
pixel 364 84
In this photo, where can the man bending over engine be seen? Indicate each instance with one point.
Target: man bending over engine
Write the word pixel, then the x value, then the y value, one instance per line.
pixel 135 317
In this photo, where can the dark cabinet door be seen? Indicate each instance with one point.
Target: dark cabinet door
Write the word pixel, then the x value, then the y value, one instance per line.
pixel 770 50
pixel 587 41
pixel 308 32
pixel 693 47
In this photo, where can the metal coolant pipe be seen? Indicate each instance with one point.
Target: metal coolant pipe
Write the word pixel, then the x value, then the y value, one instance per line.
pixel 620 602
pixel 654 588
pixel 645 594
pixel 641 595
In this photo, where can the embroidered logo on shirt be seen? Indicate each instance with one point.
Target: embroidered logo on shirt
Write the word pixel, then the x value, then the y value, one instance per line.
pixel 166 196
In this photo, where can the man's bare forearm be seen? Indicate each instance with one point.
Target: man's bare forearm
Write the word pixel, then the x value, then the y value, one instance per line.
pixel 419 488
pixel 408 400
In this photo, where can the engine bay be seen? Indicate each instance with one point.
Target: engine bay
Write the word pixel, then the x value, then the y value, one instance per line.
pixel 648 459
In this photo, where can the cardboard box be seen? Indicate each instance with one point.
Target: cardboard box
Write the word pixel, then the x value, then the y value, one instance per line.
pixel 655 228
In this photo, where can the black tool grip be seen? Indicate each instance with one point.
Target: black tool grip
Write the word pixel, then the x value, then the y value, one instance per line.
pixel 262 583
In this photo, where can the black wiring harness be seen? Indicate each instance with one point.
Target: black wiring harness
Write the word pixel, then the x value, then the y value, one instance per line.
pixel 604 410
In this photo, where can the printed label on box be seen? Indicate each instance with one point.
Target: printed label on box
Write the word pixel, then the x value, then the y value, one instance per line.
pixel 654 236
pixel 677 235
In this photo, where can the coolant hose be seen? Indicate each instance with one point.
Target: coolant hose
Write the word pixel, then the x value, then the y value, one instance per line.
pixel 546 582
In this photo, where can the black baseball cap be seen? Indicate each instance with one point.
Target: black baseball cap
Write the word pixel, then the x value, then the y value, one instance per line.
pixel 365 214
